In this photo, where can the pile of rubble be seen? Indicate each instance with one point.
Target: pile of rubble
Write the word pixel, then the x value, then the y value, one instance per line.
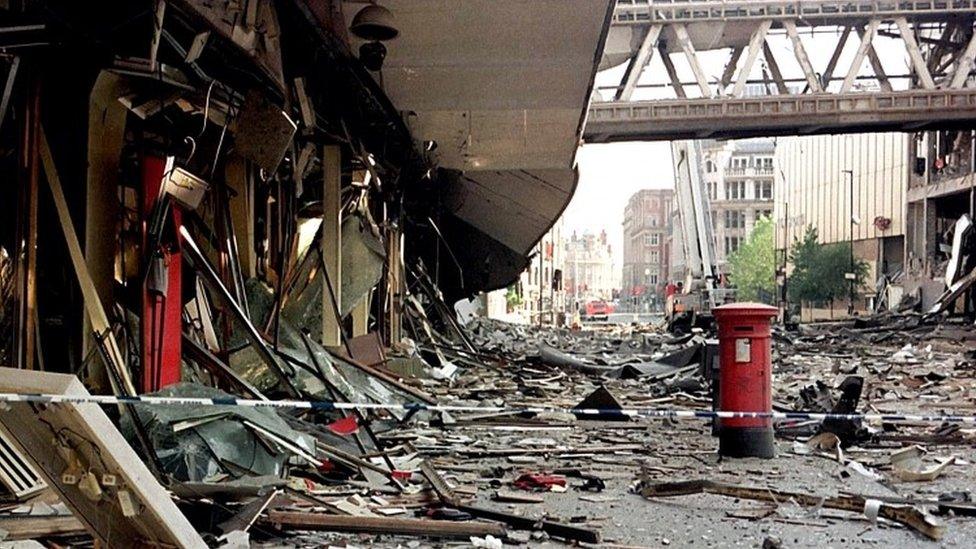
pixel 529 469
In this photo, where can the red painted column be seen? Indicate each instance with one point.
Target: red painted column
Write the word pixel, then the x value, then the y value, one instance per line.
pixel 161 318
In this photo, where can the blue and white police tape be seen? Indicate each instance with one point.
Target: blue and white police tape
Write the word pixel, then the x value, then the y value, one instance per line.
pixel 333 405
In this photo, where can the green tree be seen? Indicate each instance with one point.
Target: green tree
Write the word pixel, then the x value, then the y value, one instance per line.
pixel 833 263
pixel 803 255
pixel 752 267
pixel 819 269
pixel 513 298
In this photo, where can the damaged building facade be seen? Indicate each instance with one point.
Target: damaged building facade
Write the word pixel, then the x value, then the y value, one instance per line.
pixel 252 199
pixel 234 236
pixel 939 195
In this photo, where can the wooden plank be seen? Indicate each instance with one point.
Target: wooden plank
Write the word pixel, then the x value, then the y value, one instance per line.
pixel 331 242
pixel 802 58
pixel 755 45
pixel 93 306
pixel 360 317
pixel 395 284
pixel 29 323
pixel 448 497
pixel 908 516
pixel 23 527
pixel 80 438
pixel 8 88
pixel 291 520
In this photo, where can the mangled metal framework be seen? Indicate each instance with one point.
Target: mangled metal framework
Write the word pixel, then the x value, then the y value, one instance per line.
pixel 207 193
pixel 937 37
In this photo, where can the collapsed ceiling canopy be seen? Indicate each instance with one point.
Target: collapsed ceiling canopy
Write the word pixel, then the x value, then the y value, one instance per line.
pixel 502 88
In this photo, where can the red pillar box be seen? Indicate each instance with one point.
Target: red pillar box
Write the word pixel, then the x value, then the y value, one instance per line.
pixel 745 378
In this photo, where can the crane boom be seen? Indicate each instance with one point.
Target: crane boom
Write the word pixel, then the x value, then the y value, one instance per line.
pixel 695 218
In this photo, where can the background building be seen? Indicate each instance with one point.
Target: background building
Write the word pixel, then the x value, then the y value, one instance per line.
pixel 542 284
pixel 941 181
pixel 740 182
pixel 814 188
pixel 589 268
pixel 739 178
pixel 646 254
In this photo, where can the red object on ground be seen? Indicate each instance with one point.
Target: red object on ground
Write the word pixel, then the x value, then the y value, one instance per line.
pixel 745 378
pixel 539 481
pixel 597 308
pixel 161 321
pixel 401 475
pixel 345 426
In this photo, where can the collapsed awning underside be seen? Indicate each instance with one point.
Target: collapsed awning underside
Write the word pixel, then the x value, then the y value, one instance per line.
pixel 502 88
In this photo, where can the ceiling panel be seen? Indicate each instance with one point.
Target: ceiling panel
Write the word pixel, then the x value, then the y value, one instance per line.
pixel 502 87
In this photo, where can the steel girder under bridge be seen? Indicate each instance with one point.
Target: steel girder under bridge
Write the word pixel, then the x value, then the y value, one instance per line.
pixel 742 68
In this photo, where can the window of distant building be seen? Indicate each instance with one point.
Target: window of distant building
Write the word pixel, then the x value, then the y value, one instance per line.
pixel 732 244
pixel 653 219
pixel 709 166
pixel 764 213
pixel 647 240
pixel 735 190
pixel 655 256
pixel 655 239
pixel 764 190
pixel 735 219
pixel 652 279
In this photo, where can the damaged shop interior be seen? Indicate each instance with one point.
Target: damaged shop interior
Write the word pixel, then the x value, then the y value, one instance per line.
pixel 940 211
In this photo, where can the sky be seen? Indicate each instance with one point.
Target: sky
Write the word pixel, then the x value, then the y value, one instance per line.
pixel 611 173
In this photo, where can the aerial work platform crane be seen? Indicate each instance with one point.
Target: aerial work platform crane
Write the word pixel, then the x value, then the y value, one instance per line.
pixel 700 292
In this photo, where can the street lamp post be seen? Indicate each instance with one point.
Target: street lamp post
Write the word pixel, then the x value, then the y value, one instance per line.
pixel 850 274
pixel 647 284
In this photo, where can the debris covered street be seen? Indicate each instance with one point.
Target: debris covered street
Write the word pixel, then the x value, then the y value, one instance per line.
pixel 494 273
pixel 598 467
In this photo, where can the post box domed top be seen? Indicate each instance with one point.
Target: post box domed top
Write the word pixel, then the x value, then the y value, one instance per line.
pixel 744 310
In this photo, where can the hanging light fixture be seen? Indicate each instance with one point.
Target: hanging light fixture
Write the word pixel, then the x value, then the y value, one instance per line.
pixel 374 23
